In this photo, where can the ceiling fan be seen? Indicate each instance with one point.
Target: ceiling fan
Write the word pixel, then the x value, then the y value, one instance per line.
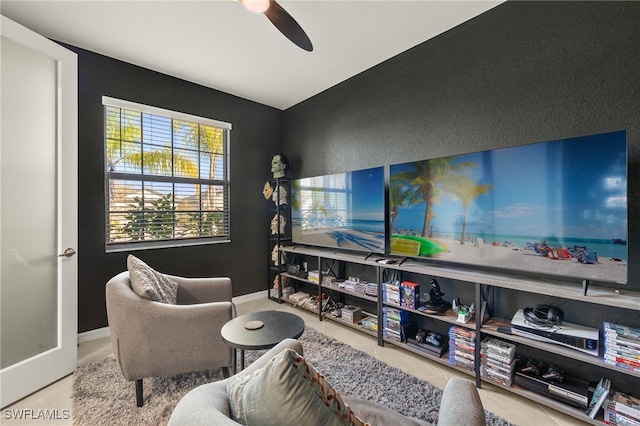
pixel 282 21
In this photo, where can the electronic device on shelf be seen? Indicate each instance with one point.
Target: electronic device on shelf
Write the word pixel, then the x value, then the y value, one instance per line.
pixel 351 314
pixel 434 338
pixel 573 336
pixel 293 269
pixel 544 315
pixel 551 382
pixel 426 341
pixel 413 335
pixel 435 303
pixel 465 312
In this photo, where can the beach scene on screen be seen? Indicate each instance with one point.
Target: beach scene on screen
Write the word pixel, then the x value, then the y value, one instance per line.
pixel 343 210
pixel 556 207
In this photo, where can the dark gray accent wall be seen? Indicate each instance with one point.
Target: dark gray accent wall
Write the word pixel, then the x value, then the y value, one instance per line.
pixel 256 136
pixel 521 73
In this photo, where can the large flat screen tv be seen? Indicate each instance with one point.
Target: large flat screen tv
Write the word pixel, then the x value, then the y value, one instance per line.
pixel 555 208
pixel 343 210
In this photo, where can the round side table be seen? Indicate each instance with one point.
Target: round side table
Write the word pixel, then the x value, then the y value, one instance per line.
pixel 246 333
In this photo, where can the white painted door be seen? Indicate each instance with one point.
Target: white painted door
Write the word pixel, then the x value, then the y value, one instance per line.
pixel 38 212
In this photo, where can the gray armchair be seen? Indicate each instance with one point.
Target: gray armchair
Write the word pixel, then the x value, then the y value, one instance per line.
pixel 152 339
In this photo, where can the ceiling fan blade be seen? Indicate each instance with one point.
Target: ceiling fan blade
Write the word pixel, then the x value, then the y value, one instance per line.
pixel 288 26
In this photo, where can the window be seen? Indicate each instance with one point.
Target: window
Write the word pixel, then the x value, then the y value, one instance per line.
pixel 167 178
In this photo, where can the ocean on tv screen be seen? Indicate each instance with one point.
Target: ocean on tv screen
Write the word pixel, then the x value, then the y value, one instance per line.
pixel 556 207
pixel 343 210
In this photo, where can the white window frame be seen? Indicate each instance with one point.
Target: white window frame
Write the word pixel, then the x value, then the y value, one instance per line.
pixel 117 241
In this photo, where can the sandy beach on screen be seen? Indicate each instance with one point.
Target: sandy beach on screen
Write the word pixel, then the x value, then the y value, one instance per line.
pixel 350 239
pixel 485 254
pixel 527 260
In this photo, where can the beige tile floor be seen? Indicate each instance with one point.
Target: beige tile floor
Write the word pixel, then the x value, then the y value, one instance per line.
pixel 516 409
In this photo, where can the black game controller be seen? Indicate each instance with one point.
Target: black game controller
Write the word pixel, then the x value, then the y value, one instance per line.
pixel 436 305
pixel 435 294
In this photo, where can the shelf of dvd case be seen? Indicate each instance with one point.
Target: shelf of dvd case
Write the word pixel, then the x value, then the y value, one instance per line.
pixel 491 327
pixel 334 287
pixel 339 290
pixel 356 326
pixel 448 317
pixel 330 287
pixel 301 306
pixel 444 359
pixel 551 403
pixel 481 281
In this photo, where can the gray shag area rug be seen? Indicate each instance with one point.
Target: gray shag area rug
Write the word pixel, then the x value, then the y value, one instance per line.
pixel 101 395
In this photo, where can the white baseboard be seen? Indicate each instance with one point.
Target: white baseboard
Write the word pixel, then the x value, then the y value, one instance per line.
pixel 96 334
pixel 250 297
pixel 99 333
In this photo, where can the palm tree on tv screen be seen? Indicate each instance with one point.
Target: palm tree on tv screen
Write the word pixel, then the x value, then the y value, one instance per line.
pixel 399 193
pixel 465 190
pixel 426 180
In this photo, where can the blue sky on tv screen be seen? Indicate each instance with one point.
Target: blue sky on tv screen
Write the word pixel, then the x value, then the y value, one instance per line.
pixel 571 188
pixel 368 194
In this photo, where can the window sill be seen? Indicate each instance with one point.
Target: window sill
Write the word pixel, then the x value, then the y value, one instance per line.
pixel 151 245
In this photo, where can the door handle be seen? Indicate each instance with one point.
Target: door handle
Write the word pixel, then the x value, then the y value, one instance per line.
pixel 68 253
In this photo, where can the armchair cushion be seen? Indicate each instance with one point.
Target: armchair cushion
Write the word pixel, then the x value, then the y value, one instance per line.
pixel 151 284
pixel 287 388
pixel 461 404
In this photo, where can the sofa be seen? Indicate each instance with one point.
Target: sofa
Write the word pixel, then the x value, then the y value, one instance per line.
pixel 209 404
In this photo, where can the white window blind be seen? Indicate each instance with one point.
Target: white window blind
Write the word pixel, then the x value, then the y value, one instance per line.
pixel 166 177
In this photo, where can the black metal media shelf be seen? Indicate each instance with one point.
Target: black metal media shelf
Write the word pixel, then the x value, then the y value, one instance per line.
pixel 482 282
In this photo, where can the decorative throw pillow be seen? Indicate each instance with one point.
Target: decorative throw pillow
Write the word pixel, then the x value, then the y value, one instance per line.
pixel 288 390
pixel 149 283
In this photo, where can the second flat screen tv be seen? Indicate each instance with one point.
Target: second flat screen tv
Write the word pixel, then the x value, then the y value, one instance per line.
pixel 343 210
pixel 555 208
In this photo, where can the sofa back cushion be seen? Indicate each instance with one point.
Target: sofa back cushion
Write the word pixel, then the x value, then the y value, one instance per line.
pixel 287 390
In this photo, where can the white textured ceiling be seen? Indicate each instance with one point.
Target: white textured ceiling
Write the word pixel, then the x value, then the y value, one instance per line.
pixel 222 45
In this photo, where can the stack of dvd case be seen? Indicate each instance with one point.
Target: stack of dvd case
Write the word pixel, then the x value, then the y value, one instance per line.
pixel 391 292
pixel 371 290
pixel 392 321
pixel 360 287
pixel 462 347
pixel 622 346
pixel 328 280
pixel 622 409
pixel 498 362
